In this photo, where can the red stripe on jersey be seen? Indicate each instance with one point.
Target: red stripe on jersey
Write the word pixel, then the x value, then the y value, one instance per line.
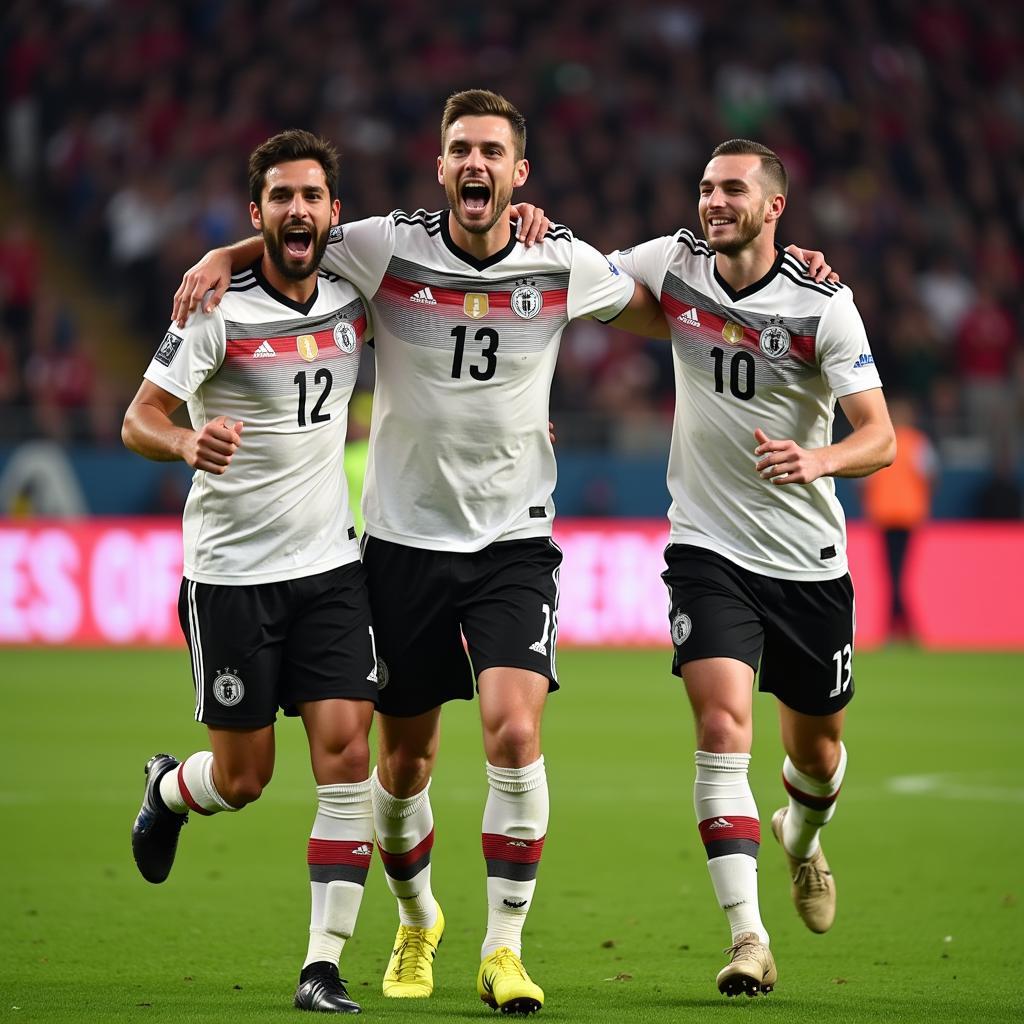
pixel 285 345
pixel 401 290
pixel 519 851
pixel 339 851
pixel 410 856
pixel 186 795
pixel 816 803
pixel 729 826
pixel 801 346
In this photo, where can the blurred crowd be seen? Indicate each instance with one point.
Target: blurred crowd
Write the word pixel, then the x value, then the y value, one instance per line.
pixel 128 124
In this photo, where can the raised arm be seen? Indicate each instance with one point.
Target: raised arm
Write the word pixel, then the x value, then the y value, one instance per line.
pixel 870 447
pixel 214 272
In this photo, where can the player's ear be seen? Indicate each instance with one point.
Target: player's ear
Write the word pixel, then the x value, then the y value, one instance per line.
pixel 254 216
pixel 335 211
pixel 776 204
pixel 440 170
pixel 522 172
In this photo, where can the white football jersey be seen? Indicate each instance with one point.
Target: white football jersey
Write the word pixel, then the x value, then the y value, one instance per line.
pixel 775 355
pixel 459 449
pixel 286 370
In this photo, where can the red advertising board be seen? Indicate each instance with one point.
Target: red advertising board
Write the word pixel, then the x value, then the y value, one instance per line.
pixel 111 582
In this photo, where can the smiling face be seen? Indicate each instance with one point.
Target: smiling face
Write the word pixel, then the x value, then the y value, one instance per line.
pixel 295 215
pixel 479 170
pixel 735 203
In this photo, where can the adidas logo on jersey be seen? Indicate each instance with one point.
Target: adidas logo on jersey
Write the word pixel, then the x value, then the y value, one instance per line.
pixel 538 648
pixel 265 351
pixel 424 295
pixel 720 823
pixel 864 359
pixel 690 317
pixel 364 850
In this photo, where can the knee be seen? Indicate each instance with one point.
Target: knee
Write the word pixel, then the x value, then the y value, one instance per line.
pixel 514 741
pixel 348 762
pixel 239 790
pixel 818 758
pixel 720 731
pixel 404 772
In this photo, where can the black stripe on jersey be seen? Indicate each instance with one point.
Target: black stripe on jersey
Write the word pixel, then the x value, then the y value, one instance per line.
pixel 430 222
pixel 421 275
pixel 235 330
pixel 792 263
pixel 684 236
pixel 559 232
pixel 805 283
pixel 328 276
pixel 243 287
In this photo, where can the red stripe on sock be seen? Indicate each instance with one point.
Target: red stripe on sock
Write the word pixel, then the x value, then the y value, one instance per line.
pixel 729 826
pixel 410 856
pixel 339 851
pixel 816 803
pixel 186 795
pixel 519 851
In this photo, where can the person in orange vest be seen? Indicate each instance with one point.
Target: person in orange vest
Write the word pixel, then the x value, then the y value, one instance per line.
pixel 897 500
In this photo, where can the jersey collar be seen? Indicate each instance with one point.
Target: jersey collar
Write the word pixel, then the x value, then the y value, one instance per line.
pixel 299 307
pixel 734 295
pixel 469 258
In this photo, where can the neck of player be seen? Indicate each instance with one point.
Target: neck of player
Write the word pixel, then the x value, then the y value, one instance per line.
pixel 749 265
pixel 481 245
pixel 297 291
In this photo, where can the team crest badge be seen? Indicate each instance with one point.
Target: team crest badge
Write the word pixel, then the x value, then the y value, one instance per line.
pixel 228 688
pixel 732 332
pixel 306 346
pixel 345 336
pixel 476 305
pixel 681 627
pixel 775 339
pixel 526 301
pixel 168 348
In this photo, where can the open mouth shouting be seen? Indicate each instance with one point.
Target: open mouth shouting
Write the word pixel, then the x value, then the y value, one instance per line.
pixel 475 196
pixel 298 242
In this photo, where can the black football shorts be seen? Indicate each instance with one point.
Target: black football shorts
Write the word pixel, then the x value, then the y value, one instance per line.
pixel 801 633
pixel 257 648
pixel 503 600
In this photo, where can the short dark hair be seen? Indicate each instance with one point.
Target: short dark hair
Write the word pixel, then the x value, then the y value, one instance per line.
pixel 484 103
pixel 772 167
pixel 293 144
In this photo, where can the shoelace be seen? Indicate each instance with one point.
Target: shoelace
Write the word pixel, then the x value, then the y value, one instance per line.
pixel 410 951
pixel 509 961
pixel 810 878
pixel 733 950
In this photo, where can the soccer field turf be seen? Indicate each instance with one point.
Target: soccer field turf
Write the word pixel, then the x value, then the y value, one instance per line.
pixel 927 847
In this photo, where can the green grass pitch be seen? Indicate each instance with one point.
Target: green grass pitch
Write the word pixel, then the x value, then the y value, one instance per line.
pixel 927 847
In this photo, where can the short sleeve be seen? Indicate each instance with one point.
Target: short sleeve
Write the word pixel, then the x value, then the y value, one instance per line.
pixel 187 358
pixel 360 252
pixel 597 288
pixel 845 354
pixel 646 262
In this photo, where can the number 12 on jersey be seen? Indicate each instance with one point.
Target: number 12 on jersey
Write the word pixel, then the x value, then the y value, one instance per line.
pixel 489 338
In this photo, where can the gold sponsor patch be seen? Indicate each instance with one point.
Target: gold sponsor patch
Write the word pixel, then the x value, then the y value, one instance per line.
pixel 732 332
pixel 475 305
pixel 306 346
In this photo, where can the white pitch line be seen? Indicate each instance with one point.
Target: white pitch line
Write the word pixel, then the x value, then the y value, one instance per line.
pixel 949 787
